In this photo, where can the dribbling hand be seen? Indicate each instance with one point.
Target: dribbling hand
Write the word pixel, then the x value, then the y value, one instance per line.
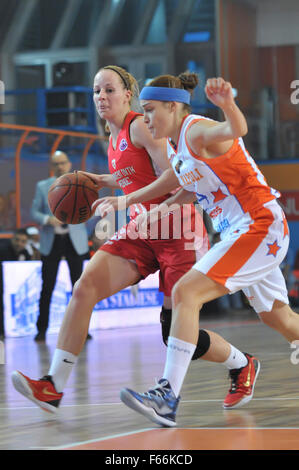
pixel 96 179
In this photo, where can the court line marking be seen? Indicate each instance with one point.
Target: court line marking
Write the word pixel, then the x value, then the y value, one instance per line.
pixel 115 436
pixel 90 441
pixel 120 403
pixel 183 401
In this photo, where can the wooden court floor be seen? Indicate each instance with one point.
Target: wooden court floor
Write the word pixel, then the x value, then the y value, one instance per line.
pixel 91 416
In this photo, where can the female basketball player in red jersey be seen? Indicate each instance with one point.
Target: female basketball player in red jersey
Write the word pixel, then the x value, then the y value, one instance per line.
pixel 122 261
pixel 209 158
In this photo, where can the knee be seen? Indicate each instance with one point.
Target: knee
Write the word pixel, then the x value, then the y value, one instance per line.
pixel 84 286
pixel 183 293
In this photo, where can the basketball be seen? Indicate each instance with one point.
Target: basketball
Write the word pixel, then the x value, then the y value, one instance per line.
pixel 71 196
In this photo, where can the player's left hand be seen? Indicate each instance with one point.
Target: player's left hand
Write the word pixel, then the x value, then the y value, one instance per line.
pixel 219 92
pixel 108 204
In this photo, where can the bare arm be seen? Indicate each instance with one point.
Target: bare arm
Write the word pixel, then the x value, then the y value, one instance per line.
pixel 207 133
pixel 164 184
pixel 181 197
pixel 157 150
pixel 171 204
pixel 102 181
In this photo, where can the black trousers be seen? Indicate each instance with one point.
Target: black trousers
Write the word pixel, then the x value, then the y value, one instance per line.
pixel 2 332
pixel 62 246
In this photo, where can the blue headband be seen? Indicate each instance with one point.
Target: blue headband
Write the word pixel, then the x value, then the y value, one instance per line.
pixel 158 93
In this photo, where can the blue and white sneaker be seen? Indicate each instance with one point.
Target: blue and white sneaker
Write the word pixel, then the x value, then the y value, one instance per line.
pixel 158 404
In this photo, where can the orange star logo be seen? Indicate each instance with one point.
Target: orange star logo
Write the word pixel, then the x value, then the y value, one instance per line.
pixel 218 195
pixel 273 248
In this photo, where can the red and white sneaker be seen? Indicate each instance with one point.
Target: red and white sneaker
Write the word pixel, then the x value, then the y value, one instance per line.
pixel 242 384
pixel 42 391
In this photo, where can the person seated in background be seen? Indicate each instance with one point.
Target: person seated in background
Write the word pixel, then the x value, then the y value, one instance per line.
pixel 13 249
pixel 33 245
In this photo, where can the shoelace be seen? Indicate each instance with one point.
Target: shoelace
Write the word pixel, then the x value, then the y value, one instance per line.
pixel 236 380
pixel 233 375
pixel 48 378
pixel 158 391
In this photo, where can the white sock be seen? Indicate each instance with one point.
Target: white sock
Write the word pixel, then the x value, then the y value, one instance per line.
pixel 236 359
pixel 178 358
pixel 61 367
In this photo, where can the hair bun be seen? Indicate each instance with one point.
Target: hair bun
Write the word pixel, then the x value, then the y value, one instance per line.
pixel 189 80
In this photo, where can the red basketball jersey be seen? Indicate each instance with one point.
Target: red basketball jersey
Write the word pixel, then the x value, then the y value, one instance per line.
pixel 132 167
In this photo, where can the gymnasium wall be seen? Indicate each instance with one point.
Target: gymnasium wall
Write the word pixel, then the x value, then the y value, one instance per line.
pixel 277 24
pixel 237 48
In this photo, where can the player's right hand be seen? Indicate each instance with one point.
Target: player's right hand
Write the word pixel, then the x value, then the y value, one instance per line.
pixel 96 179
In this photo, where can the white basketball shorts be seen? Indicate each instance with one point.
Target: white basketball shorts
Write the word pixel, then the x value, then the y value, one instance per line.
pixel 248 257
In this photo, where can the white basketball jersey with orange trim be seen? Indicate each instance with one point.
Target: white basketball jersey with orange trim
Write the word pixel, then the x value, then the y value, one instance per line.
pixel 228 186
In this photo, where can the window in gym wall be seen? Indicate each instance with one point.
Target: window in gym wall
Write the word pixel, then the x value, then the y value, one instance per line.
pixel 125 27
pixel 85 23
pixel 159 27
pixel 42 25
pixel 201 24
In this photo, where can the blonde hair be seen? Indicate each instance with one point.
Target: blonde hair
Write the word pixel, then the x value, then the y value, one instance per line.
pixel 129 82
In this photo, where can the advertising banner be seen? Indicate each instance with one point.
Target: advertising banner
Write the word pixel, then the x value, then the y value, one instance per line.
pixel 139 305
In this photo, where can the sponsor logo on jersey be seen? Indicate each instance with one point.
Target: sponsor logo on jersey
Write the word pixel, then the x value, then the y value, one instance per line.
pixel 215 212
pixel 202 197
pixel 224 224
pixel 113 163
pixel 191 177
pixel 123 145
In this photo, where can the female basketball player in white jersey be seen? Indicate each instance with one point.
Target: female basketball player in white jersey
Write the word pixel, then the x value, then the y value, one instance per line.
pixel 132 154
pixel 209 158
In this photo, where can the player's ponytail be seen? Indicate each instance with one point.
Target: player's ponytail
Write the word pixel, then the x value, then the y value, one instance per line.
pixel 189 80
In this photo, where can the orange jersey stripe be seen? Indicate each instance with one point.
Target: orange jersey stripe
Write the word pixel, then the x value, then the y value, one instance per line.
pixel 244 247
pixel 238 171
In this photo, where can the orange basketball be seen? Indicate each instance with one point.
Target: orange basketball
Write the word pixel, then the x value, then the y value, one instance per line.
pixel 70 198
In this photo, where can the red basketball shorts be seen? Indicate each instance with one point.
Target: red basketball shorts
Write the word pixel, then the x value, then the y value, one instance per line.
pixel 173 255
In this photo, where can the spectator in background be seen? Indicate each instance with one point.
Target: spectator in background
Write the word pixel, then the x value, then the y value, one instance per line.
pixel 13 250
pixel 57 240
pixel 33 245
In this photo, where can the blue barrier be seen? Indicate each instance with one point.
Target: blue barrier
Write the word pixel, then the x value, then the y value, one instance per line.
pixel 42 110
